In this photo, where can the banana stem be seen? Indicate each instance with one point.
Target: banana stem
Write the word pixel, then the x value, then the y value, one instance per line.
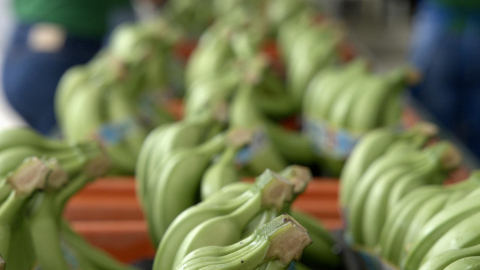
pixel 75 185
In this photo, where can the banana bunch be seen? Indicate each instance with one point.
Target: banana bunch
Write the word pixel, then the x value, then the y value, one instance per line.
pixel 314 49
pixel 408 217
pixel 74 158
pixel 176 181
pixel 32 198
pixel 455 259
pixel 272 246
pixel 372 147
pixel 225 215
pixel 342 104
pixel 453 227
pixel 388 179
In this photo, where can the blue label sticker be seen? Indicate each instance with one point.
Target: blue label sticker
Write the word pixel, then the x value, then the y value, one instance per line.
pixel 328 141
pixel 259 142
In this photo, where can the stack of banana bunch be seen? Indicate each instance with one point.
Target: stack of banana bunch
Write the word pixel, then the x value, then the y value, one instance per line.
pixel 344 103
pixel 33 196
pixel 238 213
pixel 116 97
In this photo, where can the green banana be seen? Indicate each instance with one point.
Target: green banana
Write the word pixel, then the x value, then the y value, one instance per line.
pixel 245 116
pixel 21 253
pixel 44 228
pixel 229 191
pixel 423 215
pixel 310 53
pixel 370 147
pixel 28 137
pixel 443 260
pixel 86 112
pixel 471 263
pixel 141 168
pixel 220 174
pixel 188 220
pixel 464 234
pixel 295 147
pixel 438 226
pixel 266 247
pixel 394 230
pixel 399 162
pixel 376 205
pixel 178 183
pixel 208 95
pixel 122 115
pixel 213 207
pixel 258 221
pixel 366 112
pixel 67 86
pixel 228 228
pixel 211 55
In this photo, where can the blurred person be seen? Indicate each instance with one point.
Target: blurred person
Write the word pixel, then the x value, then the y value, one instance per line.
pixel 446 49
pixel 51 36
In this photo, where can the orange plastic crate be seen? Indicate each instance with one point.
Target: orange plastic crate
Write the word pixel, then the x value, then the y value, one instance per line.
pixel 109 216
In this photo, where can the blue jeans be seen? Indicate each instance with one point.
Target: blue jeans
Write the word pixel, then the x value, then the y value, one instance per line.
pixel 30 77
pixel 446 49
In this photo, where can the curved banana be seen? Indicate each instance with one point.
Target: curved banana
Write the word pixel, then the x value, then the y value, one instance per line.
pixel 438 226
pixel 265 251
pixel 228 228
pixel 443 260
pixel 178 183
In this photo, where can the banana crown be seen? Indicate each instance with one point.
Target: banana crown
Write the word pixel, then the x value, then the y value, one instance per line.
pixel 276 190
pixel 299 176
pixel 35 174
pixel 283 240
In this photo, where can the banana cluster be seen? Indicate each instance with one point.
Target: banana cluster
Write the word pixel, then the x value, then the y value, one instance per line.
pixel 119 96
pixel 85 158
pixel 32 198
pixel 396 205
pixel 272 246
pixel 431 220
pixel 234 213
pixel 342 104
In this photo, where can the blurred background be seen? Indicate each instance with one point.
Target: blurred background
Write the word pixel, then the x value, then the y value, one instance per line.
pixel 380 28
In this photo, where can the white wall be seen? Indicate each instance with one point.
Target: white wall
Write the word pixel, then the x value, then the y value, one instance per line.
pixel 8 118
